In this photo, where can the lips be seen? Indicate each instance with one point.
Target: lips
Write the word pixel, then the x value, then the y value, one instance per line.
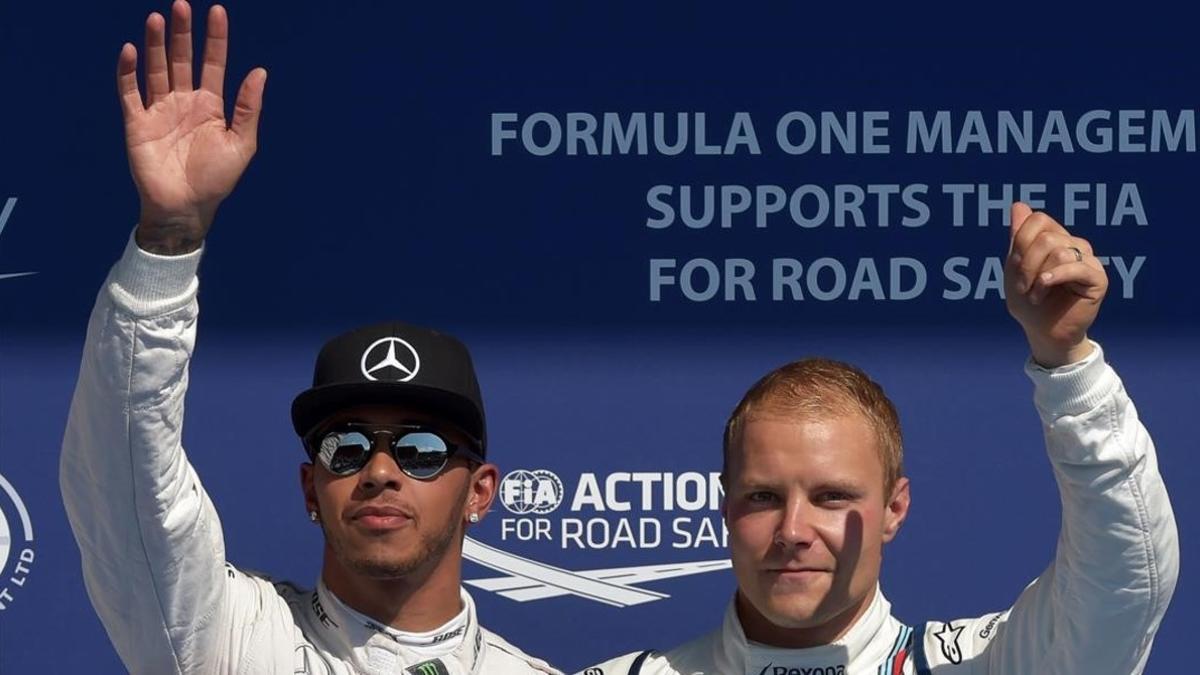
pixel 801 573
pixel 380 516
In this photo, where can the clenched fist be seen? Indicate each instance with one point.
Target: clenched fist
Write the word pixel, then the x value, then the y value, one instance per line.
pixel 1053 285
pixel 183 157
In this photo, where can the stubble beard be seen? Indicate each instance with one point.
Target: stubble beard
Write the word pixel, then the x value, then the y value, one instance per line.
pixel 430 548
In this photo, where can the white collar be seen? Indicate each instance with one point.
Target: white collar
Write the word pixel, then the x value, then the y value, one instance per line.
pixel 373 647
pixel 875 638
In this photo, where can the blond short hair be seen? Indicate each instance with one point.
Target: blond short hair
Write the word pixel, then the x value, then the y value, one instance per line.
pixel 817 388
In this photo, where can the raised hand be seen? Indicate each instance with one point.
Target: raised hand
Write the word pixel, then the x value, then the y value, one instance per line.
pixel 1053 286
pixel 184 158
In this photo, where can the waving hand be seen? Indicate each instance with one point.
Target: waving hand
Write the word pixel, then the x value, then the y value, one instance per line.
pixel 183 156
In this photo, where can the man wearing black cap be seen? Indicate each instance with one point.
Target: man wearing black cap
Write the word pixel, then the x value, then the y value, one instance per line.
pixel 393 424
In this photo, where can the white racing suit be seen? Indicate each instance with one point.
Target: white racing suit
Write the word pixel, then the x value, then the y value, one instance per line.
pixel 151 542
pixel 1094 610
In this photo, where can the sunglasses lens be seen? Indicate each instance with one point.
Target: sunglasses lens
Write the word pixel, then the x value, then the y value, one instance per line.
pixel 345 452
pixel 421 454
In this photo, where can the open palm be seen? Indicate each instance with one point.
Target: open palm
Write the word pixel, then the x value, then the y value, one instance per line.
pixel 183 157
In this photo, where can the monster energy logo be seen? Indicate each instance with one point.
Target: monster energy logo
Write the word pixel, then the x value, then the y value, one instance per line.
pixel 434 667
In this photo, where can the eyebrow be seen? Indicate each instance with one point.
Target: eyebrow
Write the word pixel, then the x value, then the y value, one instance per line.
pixel 846 486
pixel 838 485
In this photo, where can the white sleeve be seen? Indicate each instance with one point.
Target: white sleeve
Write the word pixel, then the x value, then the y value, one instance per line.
pixel 1098 605
pixel 150 540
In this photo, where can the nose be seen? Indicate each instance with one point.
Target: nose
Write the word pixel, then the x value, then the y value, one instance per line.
pixel 381 471
pixel 796 525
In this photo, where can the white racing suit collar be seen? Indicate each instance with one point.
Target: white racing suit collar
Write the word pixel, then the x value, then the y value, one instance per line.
pixel 874 639
pixel 456 647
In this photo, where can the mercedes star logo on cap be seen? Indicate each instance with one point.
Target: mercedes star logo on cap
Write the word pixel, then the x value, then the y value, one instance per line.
pixel 381 364
pixel 387 366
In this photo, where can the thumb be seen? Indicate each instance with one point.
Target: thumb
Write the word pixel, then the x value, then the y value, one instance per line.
pixel 248 107
pixel 1020 211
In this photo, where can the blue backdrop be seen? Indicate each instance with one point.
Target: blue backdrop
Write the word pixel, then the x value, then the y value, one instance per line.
pixel 408 168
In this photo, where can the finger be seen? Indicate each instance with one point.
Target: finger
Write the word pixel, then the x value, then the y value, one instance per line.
pixel 1029 230
pixel 248 107
pixel 127 85
pixel 1049 246
pixel 1083 245
pixel 1020 211
pixel 181 47
pixel 216 45
pixel 158 83
pixel 1081 278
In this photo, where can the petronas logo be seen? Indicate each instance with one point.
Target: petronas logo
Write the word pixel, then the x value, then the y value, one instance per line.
pixel 434 667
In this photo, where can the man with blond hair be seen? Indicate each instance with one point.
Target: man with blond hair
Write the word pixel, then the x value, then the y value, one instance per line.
pixel 814 489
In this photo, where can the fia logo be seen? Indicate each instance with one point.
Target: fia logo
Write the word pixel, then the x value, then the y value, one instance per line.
pixel 538 491
pixel 5 214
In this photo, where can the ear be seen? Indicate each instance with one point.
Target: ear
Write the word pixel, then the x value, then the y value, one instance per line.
pixel 308 487
pixel 482 490
pixel 897 510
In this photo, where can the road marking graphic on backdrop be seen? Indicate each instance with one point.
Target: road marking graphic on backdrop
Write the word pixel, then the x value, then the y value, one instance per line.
pixel 532 495
pixel 14 575
pixel 5 214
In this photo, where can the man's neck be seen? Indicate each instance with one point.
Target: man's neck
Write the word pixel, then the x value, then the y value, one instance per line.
pixel 761 630
pixel 420 601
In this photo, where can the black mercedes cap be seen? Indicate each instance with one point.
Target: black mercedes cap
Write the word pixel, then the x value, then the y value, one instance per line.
pixel 395 363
